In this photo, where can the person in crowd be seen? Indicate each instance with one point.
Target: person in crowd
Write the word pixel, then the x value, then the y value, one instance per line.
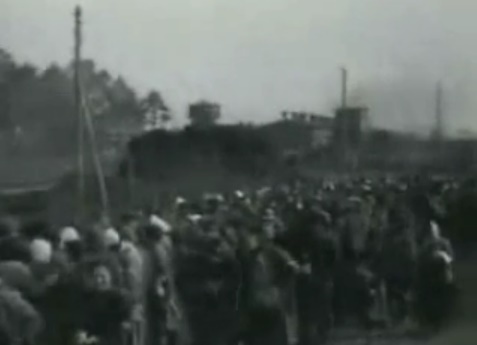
pixel 267 273
pixel 435 241
pixel 315 295
pixel 283 264
pixel 131 260
pixel 436 290
pixel 398 267
pixel 130 224
pixel 110 255
pixel 18 275
pixel 70 250
pixel 20 322
pixel 44 271
pixel 66 293
pixel 206 282
pixel 13 245
pixel 161 298
pixel 107 309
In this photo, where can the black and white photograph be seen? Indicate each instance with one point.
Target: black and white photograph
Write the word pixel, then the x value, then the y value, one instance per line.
pixel 252 172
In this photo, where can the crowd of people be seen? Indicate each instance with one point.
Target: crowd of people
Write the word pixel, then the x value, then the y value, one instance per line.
pixel 286 264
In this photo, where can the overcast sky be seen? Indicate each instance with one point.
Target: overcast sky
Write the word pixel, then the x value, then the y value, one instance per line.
pixel 258 57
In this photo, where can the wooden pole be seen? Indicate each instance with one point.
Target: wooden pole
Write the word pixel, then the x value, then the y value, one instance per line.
pixel 96 159
pixel 78 112
pixel 130 175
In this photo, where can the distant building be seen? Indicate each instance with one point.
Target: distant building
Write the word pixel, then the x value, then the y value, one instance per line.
pixel 348 129
pixel 322 137
pixel 300 130
pixel 204 114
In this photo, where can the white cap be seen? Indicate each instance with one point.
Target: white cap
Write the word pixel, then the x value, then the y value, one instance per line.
pixel 366 187
pixel 269 214
pixel 263 191
pixel 111 237
pixel 354 200
pixel 194 218
pixel 435 230
pixel 180 200
pixel 443 255
pixel 41 250
pixel 159 223
pixel 68 234
pixel 239 194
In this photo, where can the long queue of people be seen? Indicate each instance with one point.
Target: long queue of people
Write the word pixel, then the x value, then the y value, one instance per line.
pixel 285 264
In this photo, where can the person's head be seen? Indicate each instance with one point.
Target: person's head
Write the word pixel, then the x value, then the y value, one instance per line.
pixel 239 195
pixel 102 277
pixel 252 240
pixel 269 232
pixel 130 223
pixel 212 202
pixel 68 234
pixel 320 219
pixel 104 220
pixel 181 207
pixel 152 233
pixel 41 251
pixel 111 239
pixel 160 225
pixel 75 250
pixel 36 229
pixel 9 227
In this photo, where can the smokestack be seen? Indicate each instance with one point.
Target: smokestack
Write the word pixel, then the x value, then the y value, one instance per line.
pixel 439 113
pixel 344 82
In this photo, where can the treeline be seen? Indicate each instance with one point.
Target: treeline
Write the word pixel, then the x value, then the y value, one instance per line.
pixel 37 105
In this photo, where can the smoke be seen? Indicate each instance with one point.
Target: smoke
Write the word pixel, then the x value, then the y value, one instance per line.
pixel 408 103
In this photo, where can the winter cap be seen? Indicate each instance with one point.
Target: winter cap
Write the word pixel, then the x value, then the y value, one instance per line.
pixel 194 218
pixel 180 201
pixel 159 223
pixel 435 230
pixel 68 234
pixel 111 238
pixel 443 255
pixel 41 251
pixel 239 194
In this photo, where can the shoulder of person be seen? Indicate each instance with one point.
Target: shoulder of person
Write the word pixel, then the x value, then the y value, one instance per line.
pixel 15 299
pixel 281 254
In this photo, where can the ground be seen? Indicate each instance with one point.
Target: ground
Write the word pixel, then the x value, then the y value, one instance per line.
pixel 463 330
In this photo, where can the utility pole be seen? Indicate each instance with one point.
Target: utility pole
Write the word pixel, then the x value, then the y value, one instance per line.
pixel 79 110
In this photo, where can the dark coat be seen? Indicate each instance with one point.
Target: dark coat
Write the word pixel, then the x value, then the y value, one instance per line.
pixel 18 318
pixel 105 313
